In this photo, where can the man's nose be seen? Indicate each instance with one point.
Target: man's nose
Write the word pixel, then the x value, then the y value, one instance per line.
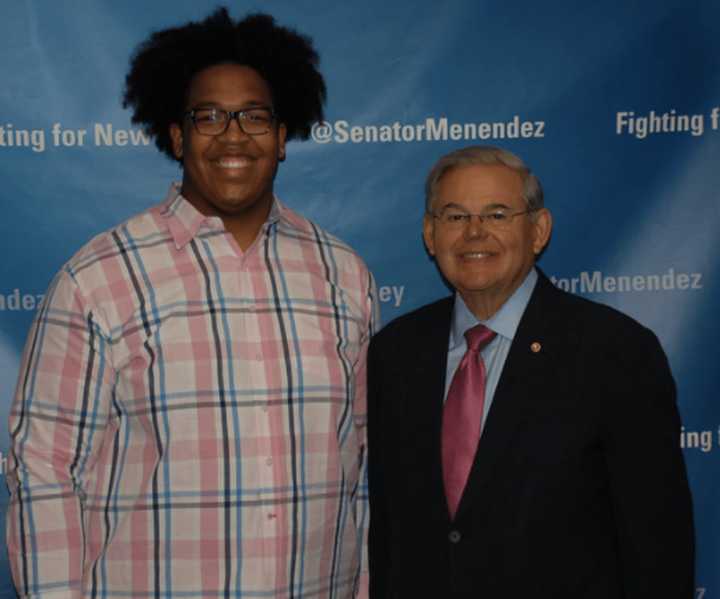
pixel 234 129
pixel 475 227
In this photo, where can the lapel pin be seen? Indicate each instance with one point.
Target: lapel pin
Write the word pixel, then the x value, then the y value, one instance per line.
pixel 535 347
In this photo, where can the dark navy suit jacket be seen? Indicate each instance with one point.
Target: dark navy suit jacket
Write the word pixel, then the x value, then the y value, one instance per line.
pixel 578 489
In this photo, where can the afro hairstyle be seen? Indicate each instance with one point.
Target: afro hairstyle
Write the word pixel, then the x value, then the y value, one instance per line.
pixel 162 69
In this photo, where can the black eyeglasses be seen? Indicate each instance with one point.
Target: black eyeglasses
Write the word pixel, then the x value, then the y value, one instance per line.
pixel 215 121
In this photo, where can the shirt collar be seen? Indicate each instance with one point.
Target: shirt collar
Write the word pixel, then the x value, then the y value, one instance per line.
pixel 184 221
pixel 504 322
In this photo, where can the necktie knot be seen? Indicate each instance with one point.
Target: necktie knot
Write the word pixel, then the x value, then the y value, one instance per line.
pixel 478 337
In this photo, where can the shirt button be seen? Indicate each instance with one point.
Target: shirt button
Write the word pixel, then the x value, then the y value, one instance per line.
pixel 269 461
pixel 454 536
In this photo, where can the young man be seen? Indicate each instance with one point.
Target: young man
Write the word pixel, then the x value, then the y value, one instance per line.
pixel 190 416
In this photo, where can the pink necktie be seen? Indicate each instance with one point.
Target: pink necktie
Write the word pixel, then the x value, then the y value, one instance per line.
pixel 462 416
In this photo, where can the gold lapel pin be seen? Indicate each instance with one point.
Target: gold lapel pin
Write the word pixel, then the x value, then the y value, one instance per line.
pixel 535 347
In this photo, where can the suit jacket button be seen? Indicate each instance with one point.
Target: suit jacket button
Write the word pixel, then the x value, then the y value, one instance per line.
pixel 454 536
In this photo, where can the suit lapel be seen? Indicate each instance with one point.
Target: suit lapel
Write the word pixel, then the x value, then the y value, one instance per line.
pixel 429 357
pixel 424 397
pixel 524 378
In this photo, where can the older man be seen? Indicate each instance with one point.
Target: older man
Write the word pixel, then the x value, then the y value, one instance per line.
pixel 523 441
pixel 190 415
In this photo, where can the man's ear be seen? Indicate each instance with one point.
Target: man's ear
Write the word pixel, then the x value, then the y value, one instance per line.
pixel 282 135
pixel 176 136
pixel 428 233
pixel 542 227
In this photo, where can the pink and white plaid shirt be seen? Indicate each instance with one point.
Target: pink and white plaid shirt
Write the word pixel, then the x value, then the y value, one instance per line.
pixel 189 419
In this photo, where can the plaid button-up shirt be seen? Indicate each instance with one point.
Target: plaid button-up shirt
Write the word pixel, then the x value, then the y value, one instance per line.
pixel 190 419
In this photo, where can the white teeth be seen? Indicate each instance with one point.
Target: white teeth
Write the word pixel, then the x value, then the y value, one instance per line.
pixel 233 162
pixel 476 255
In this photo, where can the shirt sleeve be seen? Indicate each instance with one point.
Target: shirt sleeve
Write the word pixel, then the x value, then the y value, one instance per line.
pixel 59 413
pixel 360 410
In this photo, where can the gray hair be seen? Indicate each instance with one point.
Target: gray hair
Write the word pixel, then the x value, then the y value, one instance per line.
pixel 490 155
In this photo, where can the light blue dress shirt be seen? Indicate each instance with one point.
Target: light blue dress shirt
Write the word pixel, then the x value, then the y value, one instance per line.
pixel 504 322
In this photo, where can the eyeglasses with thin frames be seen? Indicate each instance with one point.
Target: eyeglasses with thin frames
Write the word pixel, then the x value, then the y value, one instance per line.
pixel 498 219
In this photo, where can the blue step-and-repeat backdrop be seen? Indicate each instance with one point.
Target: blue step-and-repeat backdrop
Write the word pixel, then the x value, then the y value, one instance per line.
pixel 615 105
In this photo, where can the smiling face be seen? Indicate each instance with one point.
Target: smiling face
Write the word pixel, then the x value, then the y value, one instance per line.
pixel 229 175
pixel 484 266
